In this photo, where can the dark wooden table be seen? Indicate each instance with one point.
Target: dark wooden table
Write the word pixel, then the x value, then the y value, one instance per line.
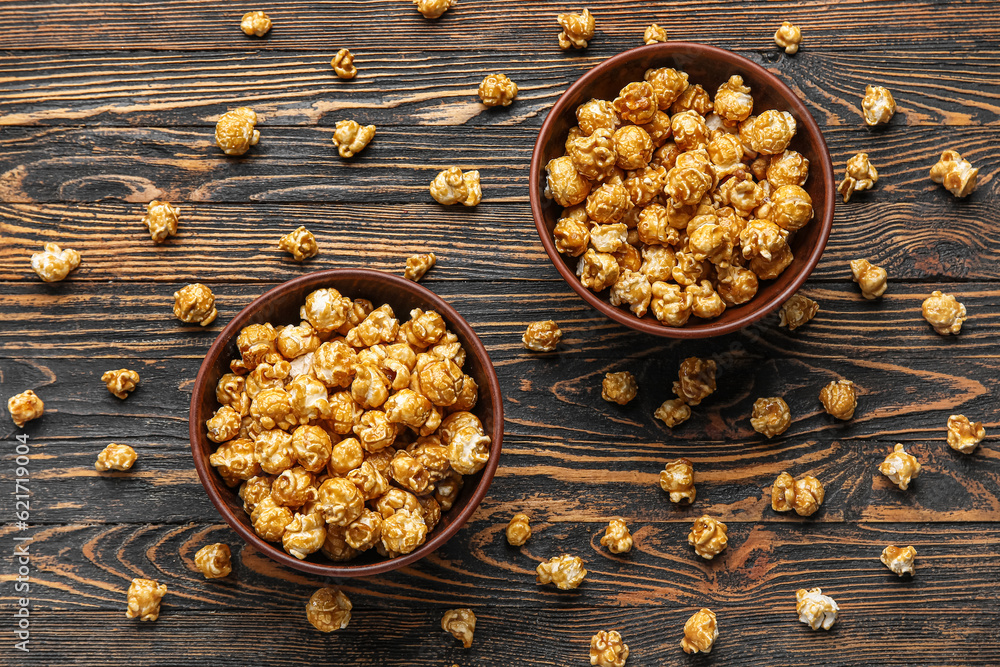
pixel 106 106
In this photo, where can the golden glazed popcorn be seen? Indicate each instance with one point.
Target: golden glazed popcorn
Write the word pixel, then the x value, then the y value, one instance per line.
pixel 577 30
pixel 432 9
pixel 673 412
pixel 53 263
pixel 351 138
pixel 955 173
pixel 900 561
pixel 24 407
pixel 214 560
pixel 451 186
pixel 497 90
pixel 839 398
pixel 115 457
pixel 195 304
pixel 518 530
pixel 617 537
pixel 695 380
pixel 144 597
pixel 797 311
pixel 566 572
pixel 677 479
pixel 944 313
pixel 542 336
pixel 700 632
pixel 859 175
pixel 963 435
pixel 236 131
pixel 788 37
pixel 870 278
pixel 815 609
pixel 461 623
pixel 877 106
pixel 900 467
pixel 300 244
pixel 329 609
pixel 255 24
pixel 708 537
pixel 161 220
pixel 804 495
pixel 654 34
pixel 343 64
pixel 607 649
pixel 121 382
pixel 418 265
pixel 619 387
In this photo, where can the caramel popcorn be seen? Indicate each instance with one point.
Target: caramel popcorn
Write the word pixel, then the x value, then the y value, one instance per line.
pixel 144 597
pixel 691 177
pixel 633 146
pixel 791 207
pixel 654 34
pixel 195 304
pixel 432 9
pixel 235 132
pixel 787 168
pixel 161 219
pixel 594 156
pixel 688 130
pixel 636 103
pixel 964 435
pixel 607 204
pixel 121 382
pixel 418 265
pixel 214 560
pixel 839 398
pixel 236 460
pixel 343 64
pixel 804 495
pixel 350 138
pixel 451 186
pixel 870 278
pixel 797 311
pixel 255 24
pixel 944 313
pixel 695 380
pixel 497 90
pixel 737 284
pixel 619 387
pixel 306 534
pixel 461 623
pixel 24 407
pixel 670 304
pixel 700 632
pixel 607 649
pixel 598 270
pixel 595 115
pixel 708 537
pixel 769 133
pixel 900 561
pixel 403 532
pixel 566 572
pixel 53 263
pixel 877 106
pixel 770 416
pixel 900 467
pixel 577 30
pixel 329 609
pixel 788 37
pixel 617 537
pixel 860 175
pixel 336 547
pixel 634 289
pixel 673 412
pixel 518 530
pixel 693 98
pixel 115 457
pixel 300 244
pixel 677 479
pixel 955 173
pixel 733 102
pixel 270 519
pixel 815 609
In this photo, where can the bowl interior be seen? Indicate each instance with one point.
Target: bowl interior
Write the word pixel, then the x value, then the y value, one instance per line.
pixel 709 67
pixel 281 306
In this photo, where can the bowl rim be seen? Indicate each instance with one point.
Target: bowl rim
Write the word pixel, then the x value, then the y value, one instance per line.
pixel 316 279
pixel 623 316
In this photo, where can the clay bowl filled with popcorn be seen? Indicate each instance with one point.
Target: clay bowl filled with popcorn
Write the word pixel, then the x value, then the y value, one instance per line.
pixel 710 67
pixel 280 306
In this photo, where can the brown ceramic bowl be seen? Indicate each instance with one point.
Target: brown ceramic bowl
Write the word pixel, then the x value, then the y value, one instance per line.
pixel 710 67
pixel 281 306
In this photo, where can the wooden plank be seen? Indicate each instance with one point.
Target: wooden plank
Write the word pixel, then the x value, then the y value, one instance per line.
pixel 404 86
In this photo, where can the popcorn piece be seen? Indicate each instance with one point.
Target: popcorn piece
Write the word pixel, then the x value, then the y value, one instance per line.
pixel 235 132
pixel 306 534
pixel 418 265
pixel 737 285
pixel 769 133
pixel 677 479
pixel 497 90
pixel 115 457
pixel 161 219
pixel 403 532
pixel 668 84
pixel 695 380
pixel 673 412
pixel 788 37
pixel 214 560
pixel 815 609
pixel 432 9
pixel 634 147
pixel 270 519
pixel 617 537
pixel 804 495
pixel 964 436
pixel 468 446
pixel 343 64
pixel 24 407
pixel 944 313
pixel 120 382
pixel 634 289
pixel 236 460
pixel 636 103
pixel 708 537
pixel 797 311
pixel 461 623
pixel 340 501
pixel 791 207
pixel 670 304
pixel 608 204
pixel 595 115
pixel 900 467
pixel 365 532
pixel 300 244
pixel 566 572
pixel 700 632
pixel 955 173
pixel 144 597
pixel 771 416
pixel 900 561
pixel 336 547
pixel 860 175
pixel 607 649
pixel 255 24
pixel 693 98
pixel 451 186
pixel 329 609
pixel 870 278
pixel 654 34
pixel 619 387
pixel 577 30
pixel 688 130
pixel 594 155
pixel 691 177
pixel 598 270
pixel 351 138
pixel 195 304
pixel 54 264
pixel 839 398
pixel 787 168
pixel 733 102
pixel 518 530
pixel 877 106
pixel 294 487
pixel 253 491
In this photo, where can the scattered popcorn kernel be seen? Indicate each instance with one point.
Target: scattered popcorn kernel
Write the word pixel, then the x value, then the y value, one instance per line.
pixel 518 530
pixel 497 90
pixel 195 304
pixel 144 597
pixel 343 64
pixel 654 34
pixel 708 537
pixel 54 264
pixel 870 278
pixel 577 30
pixel 839 398
pixel 815 609
pixel 788 37
pixel 24 407
pixel 900 467
pixel 565 571
pixel 619 387
pixel 804 495
pixel 432 9
pixel 451 186
pixel 214 560
pixel 418 265
pixel 351 138
pixel 733 102
pixel 617 537
pixel 461 623
pixel 695 380
pixel 769 133
pixel 963 435
pixel 673 412
pixel 797 311
pixel 607 649
pixel 700 632
pixel 235 132
pixel 329 609
pixel 955 173
pixel 161 219
pixel 542 336
pixel 255 24
pixel 115 457
pixel 859 175
pixel 677 479
pixel 877 106
pixel 900 561
pixel 771 416
pixel 300 244
pixel 944 313
pixel 121 382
